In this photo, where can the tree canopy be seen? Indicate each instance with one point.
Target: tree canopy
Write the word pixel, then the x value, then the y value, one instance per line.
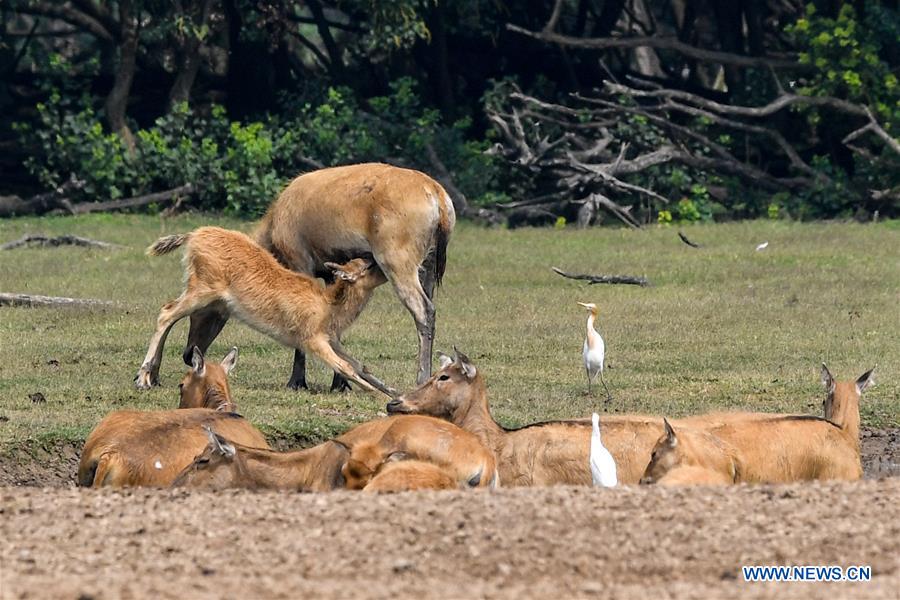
pixel 635 110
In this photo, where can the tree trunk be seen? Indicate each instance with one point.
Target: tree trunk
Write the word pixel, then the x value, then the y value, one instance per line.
pixel 190 59
pixel 335 57
pixel 117 100
pixel 441 75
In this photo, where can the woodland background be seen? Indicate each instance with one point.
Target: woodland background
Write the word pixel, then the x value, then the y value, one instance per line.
pixel 540 112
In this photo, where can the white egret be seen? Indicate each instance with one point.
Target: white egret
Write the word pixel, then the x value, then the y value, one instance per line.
pixel 594 351
pixel 603 466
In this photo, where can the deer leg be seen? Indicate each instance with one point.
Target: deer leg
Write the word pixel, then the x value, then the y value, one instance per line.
pixel 427 279
pixel 172 312
pixel 361 369
pixel 205 327
pixel 322 348
pixel 411 293
pixel 298 372
pixel 339 383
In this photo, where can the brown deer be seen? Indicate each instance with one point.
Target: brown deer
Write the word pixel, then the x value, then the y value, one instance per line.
pixel 708 458
pixel 402 218
pixel 777 448
pixel 410 475
pixel 227 464
pixel 224 463
pixel 454 450
pixel 799 447
pixel 205 385
pixel 136 448
pixel 228 268
pixel 687 475
pixel 551 453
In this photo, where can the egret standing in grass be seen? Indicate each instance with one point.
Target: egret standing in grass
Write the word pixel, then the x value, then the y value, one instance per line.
pixel 594 351
pixel 603 466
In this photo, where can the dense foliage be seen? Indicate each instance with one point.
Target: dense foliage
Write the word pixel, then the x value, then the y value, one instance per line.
pixel 236 97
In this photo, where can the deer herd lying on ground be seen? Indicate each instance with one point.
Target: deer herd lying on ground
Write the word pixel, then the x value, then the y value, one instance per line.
pixel 394 225
pixel 442 436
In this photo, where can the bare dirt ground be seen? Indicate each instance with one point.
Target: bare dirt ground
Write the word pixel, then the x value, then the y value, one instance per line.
pixel 633 542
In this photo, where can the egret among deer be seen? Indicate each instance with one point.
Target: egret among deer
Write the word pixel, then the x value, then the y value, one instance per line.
pixel 594 351
pixel 603 466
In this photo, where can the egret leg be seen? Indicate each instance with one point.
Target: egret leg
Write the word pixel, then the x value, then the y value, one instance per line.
pixel 608 395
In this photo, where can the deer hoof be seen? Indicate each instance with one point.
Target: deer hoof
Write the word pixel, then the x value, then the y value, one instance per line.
pixel 296 386
pixel 144 380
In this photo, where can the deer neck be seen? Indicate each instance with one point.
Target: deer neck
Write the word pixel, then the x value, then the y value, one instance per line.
pixel 478 421
pixel 296 470
pixel 845 411
pixel 347 301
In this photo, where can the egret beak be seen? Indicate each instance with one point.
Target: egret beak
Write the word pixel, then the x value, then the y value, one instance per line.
pixel 582 304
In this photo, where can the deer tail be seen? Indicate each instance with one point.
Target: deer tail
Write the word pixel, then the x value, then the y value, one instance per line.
pixel 167 244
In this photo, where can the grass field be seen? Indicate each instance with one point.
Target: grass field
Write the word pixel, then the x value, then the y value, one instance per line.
pixel 721 327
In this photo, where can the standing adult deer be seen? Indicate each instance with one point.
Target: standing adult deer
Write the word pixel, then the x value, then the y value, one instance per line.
pixel 401 217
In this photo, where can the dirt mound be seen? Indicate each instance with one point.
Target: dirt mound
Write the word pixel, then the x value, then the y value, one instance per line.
pixel 880 449
pixel 562 542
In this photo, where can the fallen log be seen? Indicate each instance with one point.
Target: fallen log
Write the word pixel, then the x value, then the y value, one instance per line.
pixel 33 300
pixel 56 199
pixel 89 207
pixel 610 279
pixel 61 240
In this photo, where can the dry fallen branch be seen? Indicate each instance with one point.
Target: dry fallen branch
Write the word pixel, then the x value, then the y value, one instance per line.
pixel 89 207
pixel 611 279
pixel 687 241
pixel 62 240
pixel 33 300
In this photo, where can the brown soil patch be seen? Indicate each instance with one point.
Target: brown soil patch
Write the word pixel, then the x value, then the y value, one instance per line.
pixel 635 542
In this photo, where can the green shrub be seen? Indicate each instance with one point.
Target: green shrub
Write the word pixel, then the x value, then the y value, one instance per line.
pixel 240 167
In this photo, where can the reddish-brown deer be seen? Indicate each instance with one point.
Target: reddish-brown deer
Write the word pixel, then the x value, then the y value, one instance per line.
pixel 150 448
pixel 205 385
pixel 552 453
pixel 699 451
pixel 775 448
pixel 224 463
pixel 401 217
pixel 228 268
pixel 411 475
pixel 418 437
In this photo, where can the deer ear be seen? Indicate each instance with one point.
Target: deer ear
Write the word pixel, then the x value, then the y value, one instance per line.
pixel 220 444
pixel 230 360
pixel 197 363
pixel 671 438
pixel 866 380
pixel 827 380
pixel 339 272
pixel 343 445
pixel 467 367
pixel 475 479
pixel 397 456
pixel 444 361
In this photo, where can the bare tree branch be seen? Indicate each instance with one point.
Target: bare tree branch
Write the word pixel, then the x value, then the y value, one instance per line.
pixel 658 42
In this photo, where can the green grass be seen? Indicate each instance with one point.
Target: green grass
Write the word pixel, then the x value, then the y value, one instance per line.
pixel 721 327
